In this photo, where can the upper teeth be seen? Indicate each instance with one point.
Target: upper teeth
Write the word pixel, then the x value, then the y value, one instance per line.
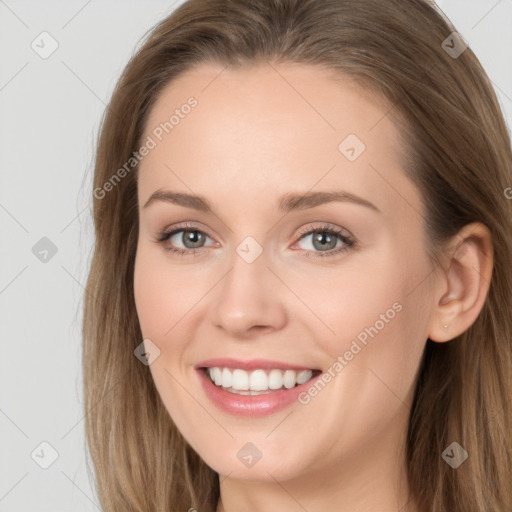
pixel 257 380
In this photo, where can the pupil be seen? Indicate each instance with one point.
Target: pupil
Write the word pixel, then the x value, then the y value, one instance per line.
pixel 320 238
pixel 194 237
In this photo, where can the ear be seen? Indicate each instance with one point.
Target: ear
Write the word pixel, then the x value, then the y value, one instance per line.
pixel 463 283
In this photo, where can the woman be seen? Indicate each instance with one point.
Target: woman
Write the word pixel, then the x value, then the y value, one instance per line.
pixel 300 296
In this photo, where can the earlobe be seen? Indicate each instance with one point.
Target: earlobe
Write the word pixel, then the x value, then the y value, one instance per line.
pixel 463 283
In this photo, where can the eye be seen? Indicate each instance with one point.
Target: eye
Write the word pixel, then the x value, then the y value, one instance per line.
pixel 191 238
pixel 324 242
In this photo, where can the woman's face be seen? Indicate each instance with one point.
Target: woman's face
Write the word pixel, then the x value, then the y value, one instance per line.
pixel 261 291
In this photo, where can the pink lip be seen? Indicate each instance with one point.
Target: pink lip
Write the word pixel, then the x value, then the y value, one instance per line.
pixel 253 364
pixel 251 405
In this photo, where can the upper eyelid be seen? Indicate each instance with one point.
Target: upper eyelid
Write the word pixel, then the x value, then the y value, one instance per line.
pixel 176 229
pixel 326 225
pixel 188 227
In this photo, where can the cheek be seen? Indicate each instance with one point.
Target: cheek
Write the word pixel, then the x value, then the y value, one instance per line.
pixel 162 299
pixel 164 292
pixel 352 300
pixel 150 297
pixel 377 324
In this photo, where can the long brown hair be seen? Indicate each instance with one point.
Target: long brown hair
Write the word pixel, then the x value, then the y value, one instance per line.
pixel 458 154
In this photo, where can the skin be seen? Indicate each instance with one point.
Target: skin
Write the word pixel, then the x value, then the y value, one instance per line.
pixel 256 134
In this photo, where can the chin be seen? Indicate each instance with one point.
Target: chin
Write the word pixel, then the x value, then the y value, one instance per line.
pixel 247 462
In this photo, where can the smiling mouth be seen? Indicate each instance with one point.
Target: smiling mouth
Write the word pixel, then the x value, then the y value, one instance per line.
pixel 257 382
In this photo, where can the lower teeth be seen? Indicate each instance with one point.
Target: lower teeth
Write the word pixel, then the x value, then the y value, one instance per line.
pixel 250 392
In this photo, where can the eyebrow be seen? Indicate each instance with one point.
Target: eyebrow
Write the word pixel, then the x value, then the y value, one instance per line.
pixel 287 203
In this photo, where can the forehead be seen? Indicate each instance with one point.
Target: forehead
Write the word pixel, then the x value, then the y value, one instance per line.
pixel 272 128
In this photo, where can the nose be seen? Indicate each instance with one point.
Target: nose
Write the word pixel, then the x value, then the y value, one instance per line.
pixel 249 301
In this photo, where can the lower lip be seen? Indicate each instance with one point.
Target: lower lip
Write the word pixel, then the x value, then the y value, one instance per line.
pixel 251 405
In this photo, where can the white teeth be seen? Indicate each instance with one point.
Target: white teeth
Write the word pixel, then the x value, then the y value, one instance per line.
pixel 227 378
pixel 303 376
pixel 275 379
pixel 217 376
pixel 240 380
pixel 289 379
pixel 257 380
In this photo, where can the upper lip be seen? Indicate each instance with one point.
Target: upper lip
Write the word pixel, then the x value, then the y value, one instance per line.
pixel 252 364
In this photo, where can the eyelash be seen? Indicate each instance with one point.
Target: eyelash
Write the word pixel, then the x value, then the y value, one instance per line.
pixel 163 236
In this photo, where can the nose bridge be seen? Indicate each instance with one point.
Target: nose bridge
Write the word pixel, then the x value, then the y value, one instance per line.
pixel 246 296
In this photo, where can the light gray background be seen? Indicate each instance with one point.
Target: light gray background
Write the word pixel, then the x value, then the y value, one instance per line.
pixel 50 111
